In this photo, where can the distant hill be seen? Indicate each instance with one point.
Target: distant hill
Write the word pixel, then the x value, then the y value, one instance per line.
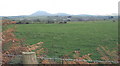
pixel 62 14
pixel 44 13
pixel 41 13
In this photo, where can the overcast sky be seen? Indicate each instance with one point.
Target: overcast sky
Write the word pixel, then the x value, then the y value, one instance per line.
pixel 26 7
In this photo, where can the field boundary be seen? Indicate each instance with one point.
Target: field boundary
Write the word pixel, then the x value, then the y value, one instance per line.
pixel 60 59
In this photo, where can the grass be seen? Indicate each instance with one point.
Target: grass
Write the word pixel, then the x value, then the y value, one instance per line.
pixel 61 39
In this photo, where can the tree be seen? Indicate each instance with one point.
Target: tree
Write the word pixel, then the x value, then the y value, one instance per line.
pixel 110 17
pixel 69 16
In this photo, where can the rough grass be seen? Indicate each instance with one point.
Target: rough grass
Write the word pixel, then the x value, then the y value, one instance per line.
pixel 61 39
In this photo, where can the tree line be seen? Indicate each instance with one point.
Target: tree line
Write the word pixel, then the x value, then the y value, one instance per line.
pixel 57 19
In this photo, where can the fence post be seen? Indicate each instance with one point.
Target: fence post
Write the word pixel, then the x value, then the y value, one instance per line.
pixel 29 58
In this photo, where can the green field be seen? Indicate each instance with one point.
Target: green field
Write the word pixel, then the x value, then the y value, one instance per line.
pixel 61 39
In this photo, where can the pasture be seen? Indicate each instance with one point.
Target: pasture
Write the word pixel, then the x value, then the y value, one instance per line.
pixel 61 39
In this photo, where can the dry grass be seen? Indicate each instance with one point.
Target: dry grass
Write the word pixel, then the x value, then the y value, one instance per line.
pixel 12 45
pixel 108 55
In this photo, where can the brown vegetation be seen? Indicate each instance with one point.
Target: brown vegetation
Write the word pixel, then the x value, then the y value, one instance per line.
pixel 13 46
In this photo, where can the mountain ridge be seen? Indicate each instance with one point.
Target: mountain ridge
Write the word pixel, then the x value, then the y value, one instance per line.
pixel 44 13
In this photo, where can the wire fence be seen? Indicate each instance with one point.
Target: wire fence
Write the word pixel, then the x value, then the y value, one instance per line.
pixel 62 59
pixel 96 61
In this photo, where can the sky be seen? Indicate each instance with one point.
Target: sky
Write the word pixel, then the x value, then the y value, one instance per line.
pixel 27 7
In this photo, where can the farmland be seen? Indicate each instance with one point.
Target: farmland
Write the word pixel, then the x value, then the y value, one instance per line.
pixel 61 39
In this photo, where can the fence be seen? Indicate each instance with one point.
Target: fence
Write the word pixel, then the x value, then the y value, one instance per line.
pixel 30 58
